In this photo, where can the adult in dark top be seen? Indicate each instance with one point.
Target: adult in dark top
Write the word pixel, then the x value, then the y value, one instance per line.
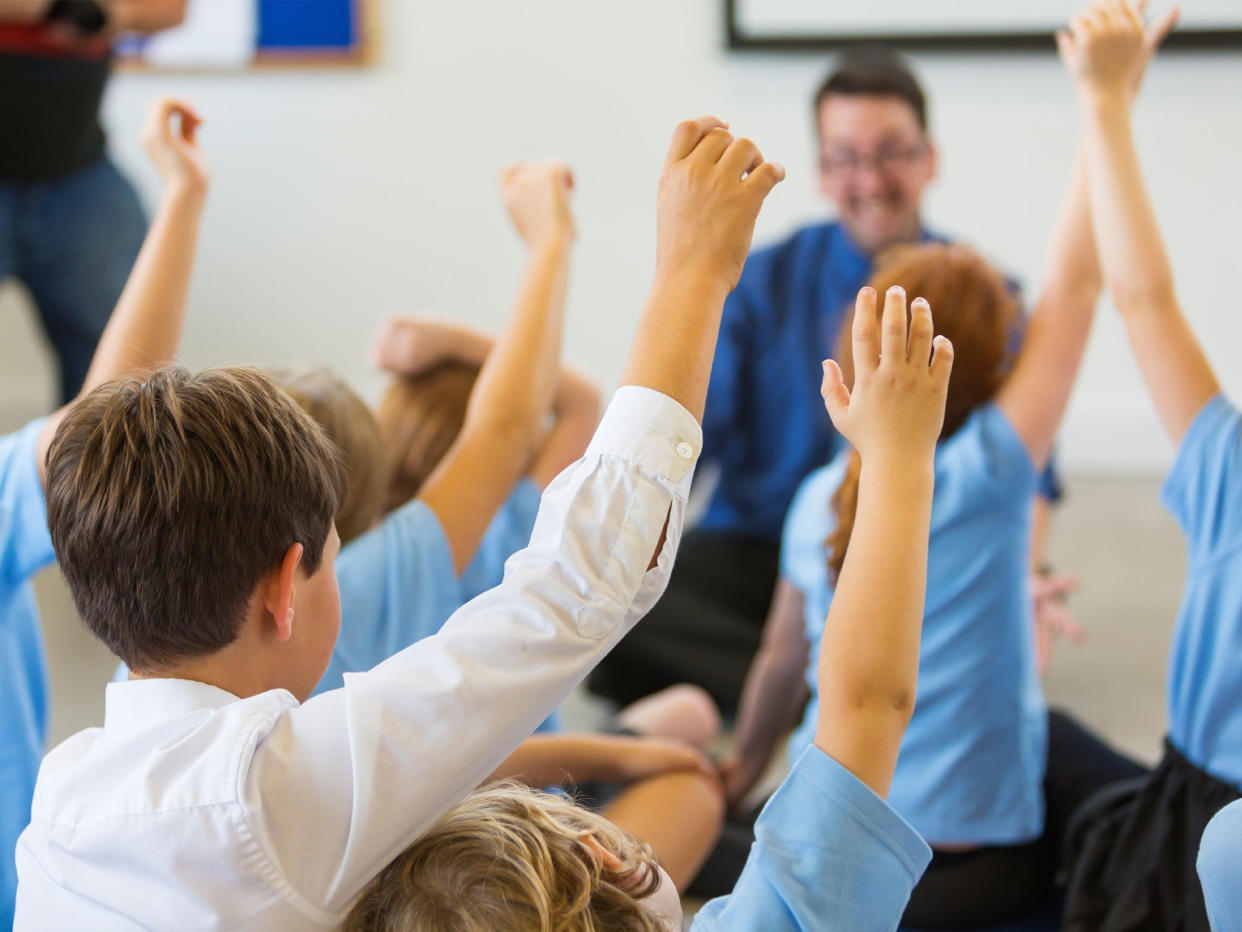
pixel 764 428
pixel 70 224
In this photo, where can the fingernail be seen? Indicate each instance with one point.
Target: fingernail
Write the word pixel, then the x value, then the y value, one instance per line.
pixel 896 290
pixel 867 289
pixel 921 302
pixel 824 364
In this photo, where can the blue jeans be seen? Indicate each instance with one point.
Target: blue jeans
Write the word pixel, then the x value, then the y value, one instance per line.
pixel 72 242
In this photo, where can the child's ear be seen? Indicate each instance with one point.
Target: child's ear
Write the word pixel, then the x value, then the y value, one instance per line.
pixel 606 858
pixel 278 594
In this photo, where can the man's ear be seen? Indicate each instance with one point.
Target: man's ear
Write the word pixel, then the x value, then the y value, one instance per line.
pixel 933 160
pixel 278 594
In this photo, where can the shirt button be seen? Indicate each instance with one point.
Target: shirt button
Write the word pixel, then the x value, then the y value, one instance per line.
pixel 685 450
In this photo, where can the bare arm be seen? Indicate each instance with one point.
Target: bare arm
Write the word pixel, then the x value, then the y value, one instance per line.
pixel 144 16
pixel 1036 393
pixel 511 398
pixel 145 326
pixel 706 217
pixel 23 11
pixel 551 760
pixel 575 415
pixel 869 659
pixel 775 689
pixel 412 345
pixel 1136 266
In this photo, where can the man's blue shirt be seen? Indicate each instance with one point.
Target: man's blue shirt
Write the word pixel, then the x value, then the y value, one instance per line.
pixel 765 426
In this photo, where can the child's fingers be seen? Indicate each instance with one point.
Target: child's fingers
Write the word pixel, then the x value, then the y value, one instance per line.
pixel 832 388
pixel 688 133
pixel 921 332
pixel 1065 45
pixel 190 122
pixel 893 325
pixel 866 340
pixel 942 360
pixel 742 156
pixel 1159 30
pixel 714 145
pixel 765 177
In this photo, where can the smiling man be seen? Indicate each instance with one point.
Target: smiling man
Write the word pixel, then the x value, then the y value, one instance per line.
pixel 765 427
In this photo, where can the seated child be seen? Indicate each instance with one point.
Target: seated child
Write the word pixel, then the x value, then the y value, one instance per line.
pixel 660 790
pixel 193 518
pixel 980 773
pixel 142 333
pixel 830 854
pixel 1133 860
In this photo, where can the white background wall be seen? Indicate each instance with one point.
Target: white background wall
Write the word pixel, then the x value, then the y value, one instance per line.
pixel 340 195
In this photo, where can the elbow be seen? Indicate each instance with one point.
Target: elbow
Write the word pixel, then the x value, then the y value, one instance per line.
pixel 887 702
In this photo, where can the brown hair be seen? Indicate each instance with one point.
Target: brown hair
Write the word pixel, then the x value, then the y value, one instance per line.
pixel 349 423
pixel 874 71
pixel 419 418
pixel 512 859
pixel 168 499
pixel 972 306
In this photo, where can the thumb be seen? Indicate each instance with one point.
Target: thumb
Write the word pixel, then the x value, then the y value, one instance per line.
pixel 1065 46
pixel 836 395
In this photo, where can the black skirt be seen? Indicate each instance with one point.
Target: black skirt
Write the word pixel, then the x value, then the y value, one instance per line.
pixel 1130 851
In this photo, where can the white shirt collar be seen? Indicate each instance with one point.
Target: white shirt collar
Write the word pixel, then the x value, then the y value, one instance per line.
pixel 135 704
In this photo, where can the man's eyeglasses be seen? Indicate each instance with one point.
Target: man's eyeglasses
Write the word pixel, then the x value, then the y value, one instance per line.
pixel 888 159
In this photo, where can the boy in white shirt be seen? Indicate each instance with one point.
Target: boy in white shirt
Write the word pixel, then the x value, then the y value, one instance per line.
pixel 192 515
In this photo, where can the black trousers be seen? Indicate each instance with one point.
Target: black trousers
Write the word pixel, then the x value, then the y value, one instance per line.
pixel 989 885
pixel 1131 851
pixel 704 630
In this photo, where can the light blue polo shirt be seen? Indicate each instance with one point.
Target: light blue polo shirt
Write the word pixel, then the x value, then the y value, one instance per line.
pixel 1220 869
pixel 398 584
pixel 25 548
pixel 972 761
pixel 1204 493
pixel 828 854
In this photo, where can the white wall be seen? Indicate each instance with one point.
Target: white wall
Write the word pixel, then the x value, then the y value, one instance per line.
pixel 340 195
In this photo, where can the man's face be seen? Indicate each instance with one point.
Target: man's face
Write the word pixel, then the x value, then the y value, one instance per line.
pixel 875 162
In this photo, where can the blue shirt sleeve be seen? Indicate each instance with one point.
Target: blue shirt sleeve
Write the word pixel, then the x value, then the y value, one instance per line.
pixel 25 544
pixel 1203 490
pixel 398 585
pixel 508 533
pixel 1220 869
pixel 804 556
pixel 828 854
pixel 984 463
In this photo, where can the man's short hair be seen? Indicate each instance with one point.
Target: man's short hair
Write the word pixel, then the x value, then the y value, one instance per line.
pixel 874 71
pixel 169 499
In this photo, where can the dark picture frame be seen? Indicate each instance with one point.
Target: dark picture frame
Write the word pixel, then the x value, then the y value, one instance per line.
pixel 739 40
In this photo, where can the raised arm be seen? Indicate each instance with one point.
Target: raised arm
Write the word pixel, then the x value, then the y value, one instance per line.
pixel 1036 393
pixel 551 760
pixel 774 692
pixel 711 190
pixel 145 326
pixel 869 659
pixel 511 399
pixel 144 16
pixel 411 345
pixel 1103 46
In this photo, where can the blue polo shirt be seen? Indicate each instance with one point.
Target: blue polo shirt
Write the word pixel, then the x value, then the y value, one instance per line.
pixel 973 758
pixel 398 584
pixel 828 854
pixel 25 548
pixel 1203 492
pixel 1220 869
pixel 764 425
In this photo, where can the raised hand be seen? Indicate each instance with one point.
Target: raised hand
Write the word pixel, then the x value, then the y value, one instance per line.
pixel 175 151
pixel 896 405
pixel 711 189
pixel 410 345
pixel 536 194
pixel 1106 49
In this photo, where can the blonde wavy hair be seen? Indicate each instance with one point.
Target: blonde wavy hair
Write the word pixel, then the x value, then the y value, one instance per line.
pixel 513 859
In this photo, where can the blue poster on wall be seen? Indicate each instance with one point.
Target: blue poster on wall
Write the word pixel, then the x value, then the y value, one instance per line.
pixel 222 34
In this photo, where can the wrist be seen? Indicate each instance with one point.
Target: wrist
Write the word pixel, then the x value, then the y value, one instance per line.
pixel 688 278
pixel 553 243
pixel 185 193
pixel 1105 101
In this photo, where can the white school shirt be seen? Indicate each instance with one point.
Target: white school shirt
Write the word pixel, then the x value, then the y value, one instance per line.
pixel 194 809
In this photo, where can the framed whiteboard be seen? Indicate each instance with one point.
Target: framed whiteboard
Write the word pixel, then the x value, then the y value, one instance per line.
pixel 991 24
pixel 233 34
